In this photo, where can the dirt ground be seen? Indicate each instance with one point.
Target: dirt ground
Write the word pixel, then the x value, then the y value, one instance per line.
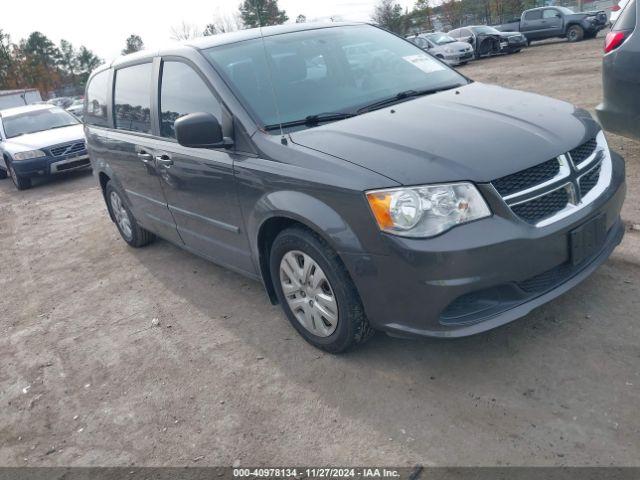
pixel 86 379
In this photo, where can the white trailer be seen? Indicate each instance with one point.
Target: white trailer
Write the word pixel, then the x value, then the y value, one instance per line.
pixel 17 98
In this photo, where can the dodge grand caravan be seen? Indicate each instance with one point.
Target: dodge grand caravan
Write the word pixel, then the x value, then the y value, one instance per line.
pixel 345 189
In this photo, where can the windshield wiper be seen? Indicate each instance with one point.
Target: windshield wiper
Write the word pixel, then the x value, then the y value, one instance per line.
pixel 403 96
pixel 313 120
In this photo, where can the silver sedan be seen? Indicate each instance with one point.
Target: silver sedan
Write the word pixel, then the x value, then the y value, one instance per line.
pixel 444 47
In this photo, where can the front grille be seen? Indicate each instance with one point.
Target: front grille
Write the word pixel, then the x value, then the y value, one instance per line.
pixel 584 151
pixel 527 178
pixel 67 149
pixel 542 207
pixel 590 179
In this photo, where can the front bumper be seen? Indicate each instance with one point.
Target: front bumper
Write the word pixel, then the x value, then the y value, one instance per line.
pixel 512 46
pixel 480 275
pixel 49 165
pixel 458 58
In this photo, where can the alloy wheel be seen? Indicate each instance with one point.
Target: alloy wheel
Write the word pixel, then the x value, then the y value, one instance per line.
pixel 309 293
pixel 121 215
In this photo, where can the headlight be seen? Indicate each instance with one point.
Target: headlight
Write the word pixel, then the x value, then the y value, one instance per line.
pixel 428 210
pixel 28 155
pixel 448 50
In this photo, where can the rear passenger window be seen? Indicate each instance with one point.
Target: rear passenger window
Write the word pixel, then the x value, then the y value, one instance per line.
pixel 132 98
pixel 97 100
pixel 627 19
pixel 535 15
pixel 182 92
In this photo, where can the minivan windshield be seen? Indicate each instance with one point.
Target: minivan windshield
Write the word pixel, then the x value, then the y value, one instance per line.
pixel 328 73
pixel 37 121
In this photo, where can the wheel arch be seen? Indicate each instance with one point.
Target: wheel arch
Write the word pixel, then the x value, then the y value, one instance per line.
pixel 281 210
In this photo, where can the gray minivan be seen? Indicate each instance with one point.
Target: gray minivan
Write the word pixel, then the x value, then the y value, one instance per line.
pixel 345 189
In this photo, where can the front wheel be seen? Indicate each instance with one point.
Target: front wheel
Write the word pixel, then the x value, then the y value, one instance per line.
pixel 20 182
pixel 316 292
pixel 130 231
pixel 575 33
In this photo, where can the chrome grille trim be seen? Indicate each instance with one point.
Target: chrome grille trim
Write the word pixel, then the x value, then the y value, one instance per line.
pixel 564 172
pixel 568 177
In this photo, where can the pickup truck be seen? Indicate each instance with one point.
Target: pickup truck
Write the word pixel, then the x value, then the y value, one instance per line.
pixel 549 22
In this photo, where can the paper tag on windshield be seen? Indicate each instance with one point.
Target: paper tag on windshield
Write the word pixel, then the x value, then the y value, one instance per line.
pixel 424 63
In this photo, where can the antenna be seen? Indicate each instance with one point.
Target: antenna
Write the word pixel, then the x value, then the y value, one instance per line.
pixel 283 139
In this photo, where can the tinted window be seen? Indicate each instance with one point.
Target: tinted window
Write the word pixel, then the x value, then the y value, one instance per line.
pixel 550 13
pixel 627 19
pixel 97 99
pixel 535 15
pixel 132 108
pixel 183 91
pixel 326 70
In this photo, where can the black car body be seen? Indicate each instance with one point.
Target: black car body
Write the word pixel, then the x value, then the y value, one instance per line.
pixel 487 41
pixel 620 110
pixel 549 22
pixel 371 210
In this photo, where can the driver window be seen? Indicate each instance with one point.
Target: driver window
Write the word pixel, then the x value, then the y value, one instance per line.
pixel 550 13
pixel 182 92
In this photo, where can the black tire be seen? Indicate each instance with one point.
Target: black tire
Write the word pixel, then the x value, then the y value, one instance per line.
pixel 575 33
pixel 3 174
pixel 20 182
pixel 517 51
pixel 352 325
pixel 139 237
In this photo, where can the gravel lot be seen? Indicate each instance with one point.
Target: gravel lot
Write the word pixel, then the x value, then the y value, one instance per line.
pixel 86 379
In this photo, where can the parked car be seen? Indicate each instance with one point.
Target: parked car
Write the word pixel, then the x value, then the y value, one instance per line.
pixel 39 140
pixel 549 22
pixel 444 47
pixel 359 207
pixel 62 102
pixel 76 108
pixel 617 8
pixel 620 110
pixel 489 41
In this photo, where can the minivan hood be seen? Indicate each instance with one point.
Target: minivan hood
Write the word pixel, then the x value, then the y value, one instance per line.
pixel 44 139
pixel 477 132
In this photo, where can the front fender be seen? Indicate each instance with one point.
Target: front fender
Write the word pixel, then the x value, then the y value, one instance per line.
pixel 307 210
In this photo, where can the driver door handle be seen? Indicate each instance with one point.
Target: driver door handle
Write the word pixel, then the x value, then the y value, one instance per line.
pixel 164 160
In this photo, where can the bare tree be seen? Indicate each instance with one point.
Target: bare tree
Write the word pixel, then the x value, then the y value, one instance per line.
pixel 223 23
pixel 185 31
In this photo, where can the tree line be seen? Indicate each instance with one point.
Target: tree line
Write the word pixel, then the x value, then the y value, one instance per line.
pixel 36 62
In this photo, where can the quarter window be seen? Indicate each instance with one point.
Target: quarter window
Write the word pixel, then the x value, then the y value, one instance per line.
pixel 182 92
pixel 132 102
pixel 97 100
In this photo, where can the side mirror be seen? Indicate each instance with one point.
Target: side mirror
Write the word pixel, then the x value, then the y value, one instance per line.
pixel 470 40
pixel 200 130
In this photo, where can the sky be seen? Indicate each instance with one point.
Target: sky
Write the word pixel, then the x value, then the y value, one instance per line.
pixel 104 26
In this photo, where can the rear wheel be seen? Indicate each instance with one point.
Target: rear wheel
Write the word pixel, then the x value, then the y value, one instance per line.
pixel 575 33
pixel 3 174
pixel 316 292
pixel 130 231
pixel 21 183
